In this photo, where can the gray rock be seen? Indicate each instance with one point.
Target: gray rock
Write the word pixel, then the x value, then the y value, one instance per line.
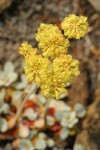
pixel 95 4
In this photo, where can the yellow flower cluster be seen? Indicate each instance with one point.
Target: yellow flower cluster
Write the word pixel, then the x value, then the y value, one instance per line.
pixel 64 69
pixel 36 67
pixel 74 26
pixel 54 68
pixel 51 40
pixel 53 91
pixel 27 50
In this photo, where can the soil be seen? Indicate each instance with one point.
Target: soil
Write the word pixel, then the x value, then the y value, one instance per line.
pixel 19 23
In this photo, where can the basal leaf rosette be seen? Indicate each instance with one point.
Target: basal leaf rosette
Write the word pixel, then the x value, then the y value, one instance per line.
pixel 51 40
pixel 75 26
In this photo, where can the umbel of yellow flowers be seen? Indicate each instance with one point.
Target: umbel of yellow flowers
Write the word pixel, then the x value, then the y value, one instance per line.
pixel 53 69
pixel 74 26
pixel 51 40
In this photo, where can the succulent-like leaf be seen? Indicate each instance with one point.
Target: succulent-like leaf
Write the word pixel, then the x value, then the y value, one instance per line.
pixel 40 144
pixel 50 142
pixel 2 78
pixel 42 99
pixel 4 108
pixel 12 77
pixel 79 147
pixel 23 131
pixel 26 144
pixel 80 110
pixel 42 135
pixel 30 114
pixel 3 125
pixel 64 133
pixel 8 67
pixel 69 119
pixel 50 120
pixel 2 95
pixel 58 115
pixel 33 133
pixel 22 84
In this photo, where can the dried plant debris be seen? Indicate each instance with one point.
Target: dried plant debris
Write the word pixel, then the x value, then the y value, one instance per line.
pixel 79 147
pixel 5 4
pixel 95 4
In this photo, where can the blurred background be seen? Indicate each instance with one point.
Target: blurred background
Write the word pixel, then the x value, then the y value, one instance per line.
pixel 19 20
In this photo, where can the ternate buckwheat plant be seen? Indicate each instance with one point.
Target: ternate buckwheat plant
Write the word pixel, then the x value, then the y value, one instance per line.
pixel 54 68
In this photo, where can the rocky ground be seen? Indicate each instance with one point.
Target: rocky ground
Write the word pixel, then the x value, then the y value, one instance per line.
pixel 19 21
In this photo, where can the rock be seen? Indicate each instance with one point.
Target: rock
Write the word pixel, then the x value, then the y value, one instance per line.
pixel 7 146
pixel 95 4
pixel 78 93
pixel 90 134
pixel 5 4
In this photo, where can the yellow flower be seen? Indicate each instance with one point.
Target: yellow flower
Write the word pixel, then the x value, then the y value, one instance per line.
pixel 52 91
pixel 51 40
pixel 75 26
pixel 27 50
pixel 37 69
pixel 53 69
pixel 64 69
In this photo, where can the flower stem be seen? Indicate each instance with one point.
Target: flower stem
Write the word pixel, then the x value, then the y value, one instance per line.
pixel 33 89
